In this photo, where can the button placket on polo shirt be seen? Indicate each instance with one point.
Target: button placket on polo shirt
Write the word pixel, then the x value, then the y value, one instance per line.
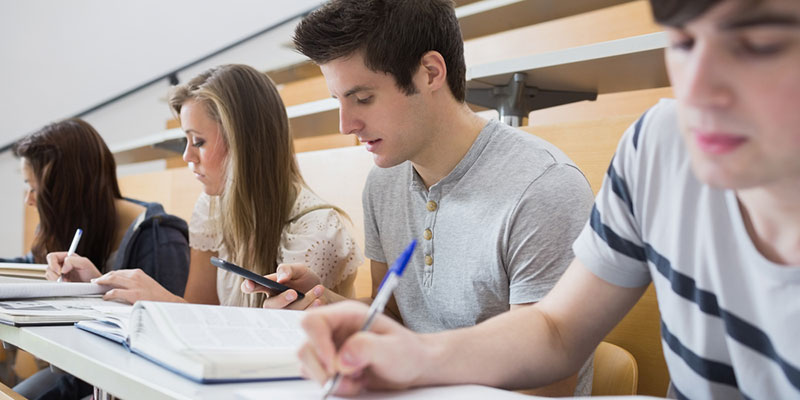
pixel 431 208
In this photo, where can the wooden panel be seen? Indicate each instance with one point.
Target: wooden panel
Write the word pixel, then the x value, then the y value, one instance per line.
pixel 323 142
pixel 497 16
pixel 176 162
pixel 295 72
pixel 185 190
pixel 173 123
pixel 7 394
pixel 640 333
pixel 26 364
pixel 616 22
pixel 144 153
pixel 321 123
pixel 151 187
pixel 623 103
pixel 303 91
pixel 176 189
pixel 460 3
pixel 590 144
pixel 31 222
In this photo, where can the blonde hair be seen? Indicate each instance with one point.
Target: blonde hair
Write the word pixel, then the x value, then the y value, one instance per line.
pixel 262 177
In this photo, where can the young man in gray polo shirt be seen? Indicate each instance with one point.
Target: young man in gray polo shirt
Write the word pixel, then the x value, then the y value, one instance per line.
pixel 702 199
pixel 494 209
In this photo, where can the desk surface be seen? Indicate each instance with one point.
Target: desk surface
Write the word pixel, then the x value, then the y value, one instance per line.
pixel 108 365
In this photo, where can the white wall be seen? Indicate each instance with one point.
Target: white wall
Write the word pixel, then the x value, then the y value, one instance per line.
pixel 62 57
pixel 13 213
pixel 146 111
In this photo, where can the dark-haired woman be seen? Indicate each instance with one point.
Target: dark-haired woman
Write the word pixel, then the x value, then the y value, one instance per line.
pixel 72 181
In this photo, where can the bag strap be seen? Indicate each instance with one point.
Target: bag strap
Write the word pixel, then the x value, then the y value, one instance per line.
pixel 319 207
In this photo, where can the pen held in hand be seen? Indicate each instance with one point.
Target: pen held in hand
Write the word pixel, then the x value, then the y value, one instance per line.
pixel 390 281
pixel 72 247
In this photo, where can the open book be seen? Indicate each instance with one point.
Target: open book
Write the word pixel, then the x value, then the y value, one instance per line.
pixel 209 344
pixel 54 310
pixel 23 270
pixel 38 302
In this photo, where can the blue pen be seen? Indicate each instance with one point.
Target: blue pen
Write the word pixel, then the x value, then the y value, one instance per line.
pixel 390 281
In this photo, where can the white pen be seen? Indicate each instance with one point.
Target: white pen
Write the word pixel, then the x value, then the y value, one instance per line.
pixel 72 247
pixel 385 290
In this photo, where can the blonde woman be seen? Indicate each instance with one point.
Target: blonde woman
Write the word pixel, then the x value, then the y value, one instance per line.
pixel 255 209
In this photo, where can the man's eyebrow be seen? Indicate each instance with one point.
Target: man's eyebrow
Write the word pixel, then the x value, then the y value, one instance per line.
pixel 769 19
pixel 356 89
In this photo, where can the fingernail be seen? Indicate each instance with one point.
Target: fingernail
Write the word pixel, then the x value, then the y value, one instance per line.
pixel 348 359
pixel 290 296
pixel 318 290
pixel 281 276
pixel 93 280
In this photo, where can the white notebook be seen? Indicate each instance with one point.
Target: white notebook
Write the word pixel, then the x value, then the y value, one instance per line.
pixel 210 344
pixel 20 288
pixel 54 310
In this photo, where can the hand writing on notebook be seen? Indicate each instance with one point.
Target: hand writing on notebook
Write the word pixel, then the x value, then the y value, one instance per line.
pixel 387 356
pixel 130 285
pixel 298 277
pixel 72 269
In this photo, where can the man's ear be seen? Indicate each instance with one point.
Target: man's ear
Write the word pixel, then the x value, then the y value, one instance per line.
pixel 433 70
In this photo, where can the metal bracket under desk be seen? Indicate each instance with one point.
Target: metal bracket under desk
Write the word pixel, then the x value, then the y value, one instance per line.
pixel 515 100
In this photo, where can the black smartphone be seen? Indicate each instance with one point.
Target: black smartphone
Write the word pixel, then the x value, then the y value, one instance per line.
pixel 268 283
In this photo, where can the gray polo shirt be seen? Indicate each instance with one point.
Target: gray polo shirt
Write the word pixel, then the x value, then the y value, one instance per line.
pixel 496 231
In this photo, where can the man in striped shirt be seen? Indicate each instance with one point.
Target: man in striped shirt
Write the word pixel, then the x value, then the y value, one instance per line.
pixel 702 199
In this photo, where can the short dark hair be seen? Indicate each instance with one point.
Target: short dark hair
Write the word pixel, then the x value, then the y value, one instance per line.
pixel 392 34
pixel 679 12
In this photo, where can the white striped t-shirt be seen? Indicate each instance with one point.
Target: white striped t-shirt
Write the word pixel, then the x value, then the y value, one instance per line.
pixel 730 318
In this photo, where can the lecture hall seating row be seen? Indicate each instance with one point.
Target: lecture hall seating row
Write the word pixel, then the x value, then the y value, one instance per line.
pixel 586 45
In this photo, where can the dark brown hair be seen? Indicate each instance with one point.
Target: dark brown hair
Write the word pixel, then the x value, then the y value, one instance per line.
pixel 392 35
pixel 679 12
pixel 262 179
pixel 77 187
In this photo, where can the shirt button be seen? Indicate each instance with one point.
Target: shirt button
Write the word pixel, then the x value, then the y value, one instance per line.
pixel 428 260
pixel 427 234
pixel 432 205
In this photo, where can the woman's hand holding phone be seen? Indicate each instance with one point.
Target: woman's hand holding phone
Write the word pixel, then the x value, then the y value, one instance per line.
pixel 300 278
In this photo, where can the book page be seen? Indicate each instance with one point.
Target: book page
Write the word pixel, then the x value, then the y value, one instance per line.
pixel 218 328
pixel 112 325
pixel 114 314
pixel 58 306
